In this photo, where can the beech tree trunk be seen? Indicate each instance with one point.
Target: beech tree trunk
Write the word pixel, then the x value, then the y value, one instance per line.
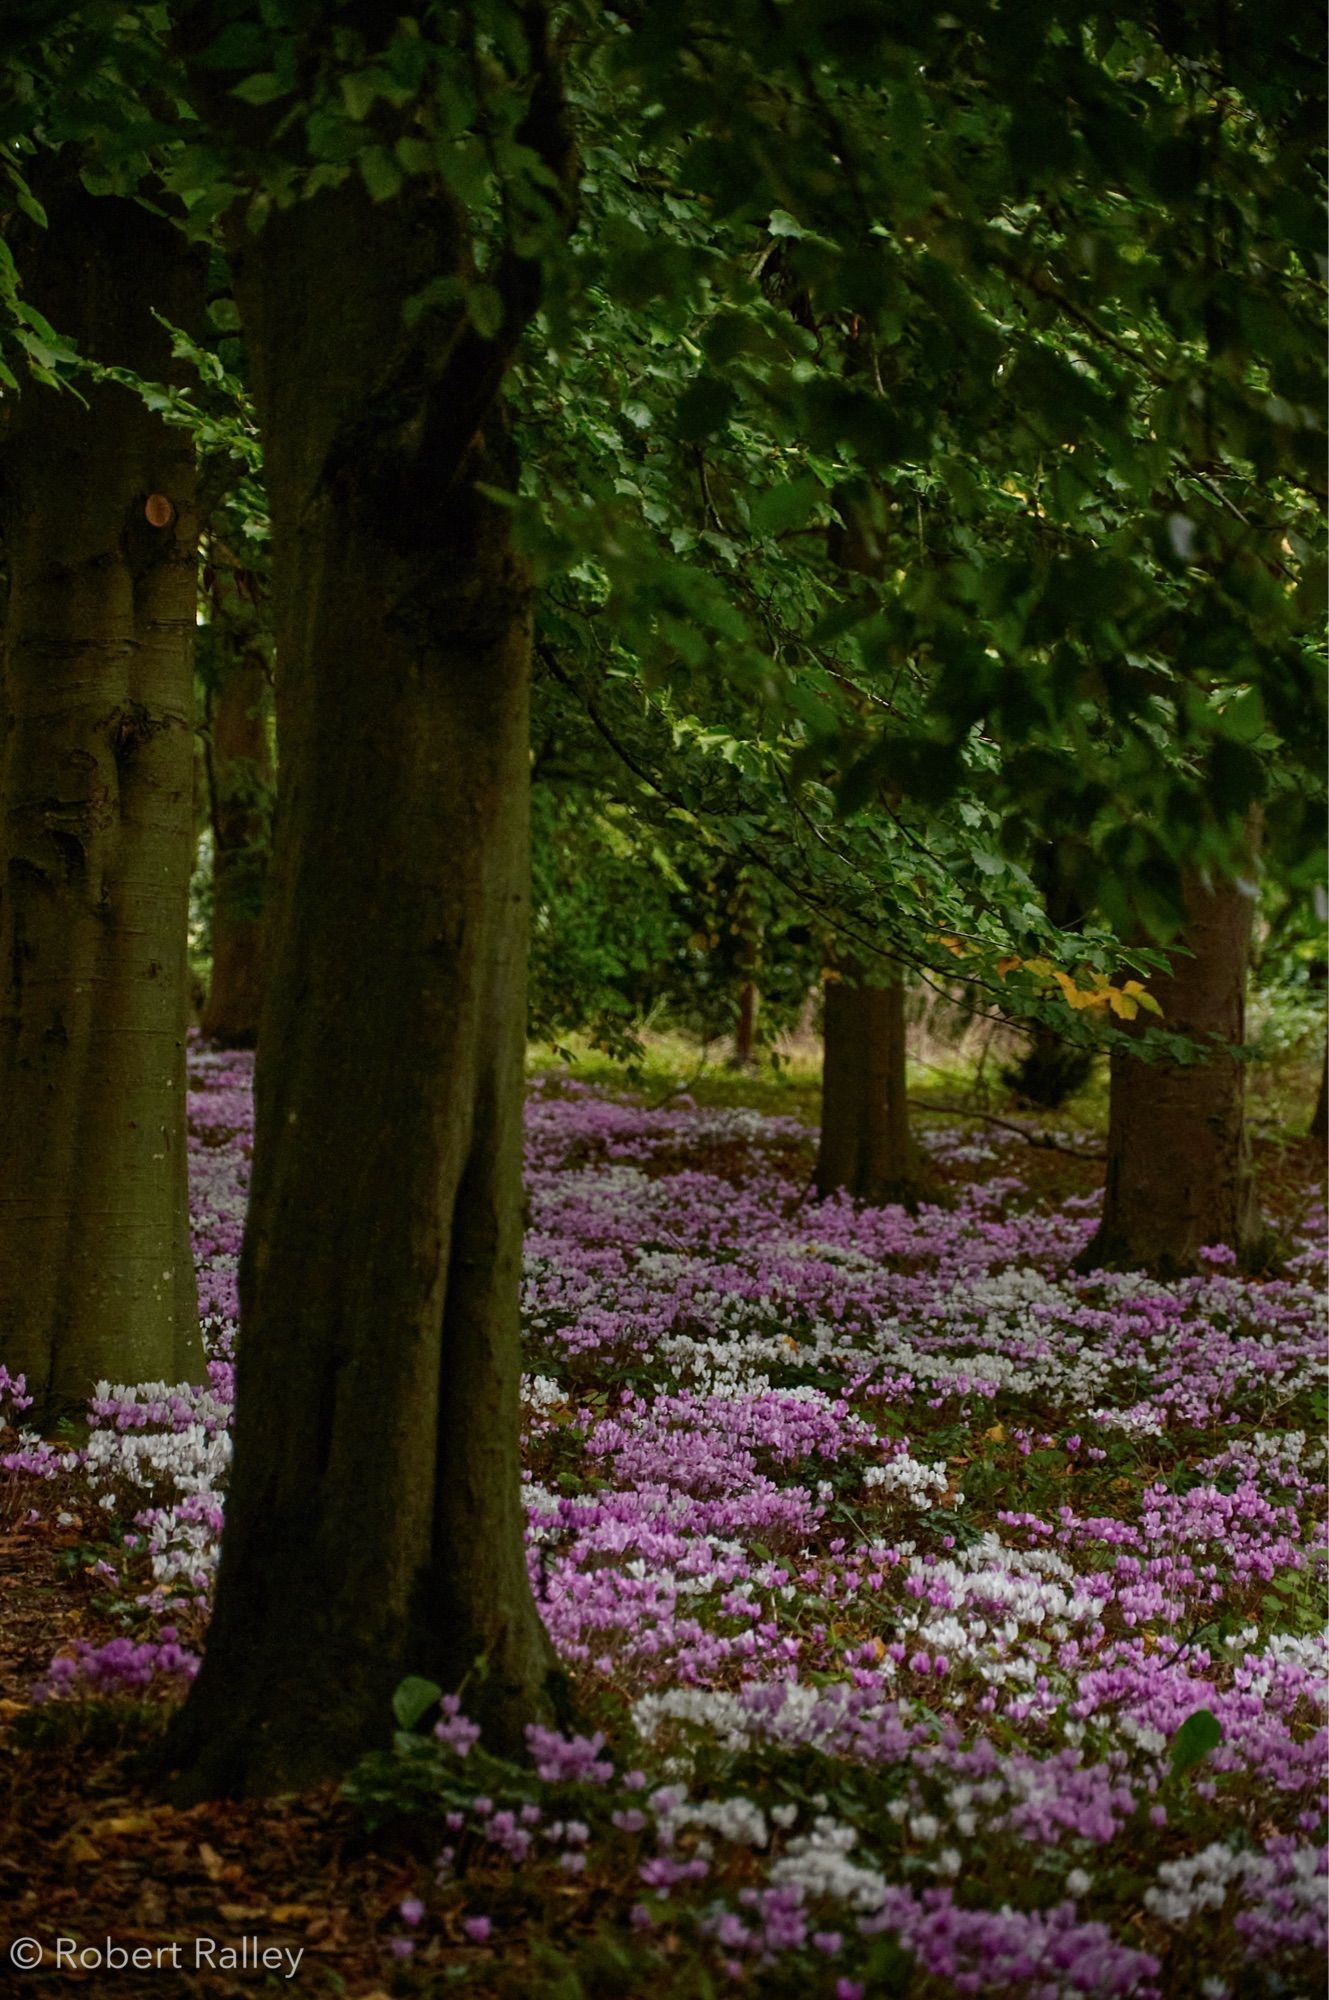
pixel 240 791
pixel 1178 1170
pixel 1319 1127
pixel 374 1524
pixel 96 781
pixel 865 1148
pixel 745 1030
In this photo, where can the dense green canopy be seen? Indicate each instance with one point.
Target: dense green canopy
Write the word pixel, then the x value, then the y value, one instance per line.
pixel 1027 301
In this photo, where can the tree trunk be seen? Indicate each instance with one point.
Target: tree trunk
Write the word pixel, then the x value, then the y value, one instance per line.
pixel 865 1148
pixel 1050 1070
pixel 1178 1172
pixel 374 1524
pixel 745 1030
pixel 240 789
pixel 1319 1127
pixel 96 1275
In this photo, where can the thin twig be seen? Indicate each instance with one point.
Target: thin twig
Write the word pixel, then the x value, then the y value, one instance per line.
pixel 1040 1139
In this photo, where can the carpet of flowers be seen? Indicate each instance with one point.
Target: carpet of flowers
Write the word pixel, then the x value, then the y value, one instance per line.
pixel 955 1622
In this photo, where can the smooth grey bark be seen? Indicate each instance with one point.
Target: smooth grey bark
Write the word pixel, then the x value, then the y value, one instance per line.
pixel 96 777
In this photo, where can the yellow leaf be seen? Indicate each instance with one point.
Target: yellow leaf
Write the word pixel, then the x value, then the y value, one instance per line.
pixel 1005 965
pixel 997 1433
pixel 1073 995
pixel 1147 1001
pixel 120 1823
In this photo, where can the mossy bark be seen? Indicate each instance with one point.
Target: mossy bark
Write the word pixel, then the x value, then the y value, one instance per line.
pixel 865 1149
pixel 241 786
pixel 96 1275
pixel 1178 1171
pixel 374 1524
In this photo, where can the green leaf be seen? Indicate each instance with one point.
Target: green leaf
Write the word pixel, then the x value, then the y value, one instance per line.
pixel 358 94
pixel 380 173
pixel 224 315
pixel 783 507
pixel 703 409
pixel 784 224
pixel 1243 719
pixel 438 293
pixel 26 199
pixel 413 1699
pixel 484 308
pixel 264 88
pixel 1198 1735
pixel 415 156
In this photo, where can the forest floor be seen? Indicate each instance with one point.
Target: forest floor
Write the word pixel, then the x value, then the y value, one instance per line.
pixel 944 1622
